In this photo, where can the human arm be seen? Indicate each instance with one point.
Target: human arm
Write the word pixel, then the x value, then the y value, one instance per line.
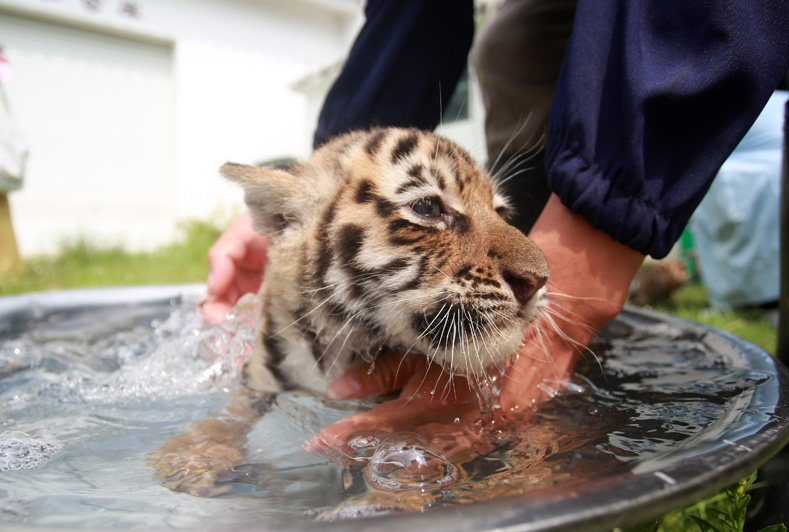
pixel 402 68
pixel 652 98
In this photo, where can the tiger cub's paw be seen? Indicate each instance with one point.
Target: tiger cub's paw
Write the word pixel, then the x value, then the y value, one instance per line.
pixel 194 467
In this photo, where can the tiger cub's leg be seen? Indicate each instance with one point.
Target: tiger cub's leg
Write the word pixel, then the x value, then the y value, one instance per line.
pixel 197 459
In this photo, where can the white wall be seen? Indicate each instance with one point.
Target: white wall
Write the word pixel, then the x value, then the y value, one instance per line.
pixel 226 70
pixel 96 110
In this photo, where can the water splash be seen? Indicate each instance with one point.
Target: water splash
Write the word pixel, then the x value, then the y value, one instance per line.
pixel 169 356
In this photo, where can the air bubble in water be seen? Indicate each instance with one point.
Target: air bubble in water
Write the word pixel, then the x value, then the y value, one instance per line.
pixel 363 447
pixel 406 461
pixel 19 452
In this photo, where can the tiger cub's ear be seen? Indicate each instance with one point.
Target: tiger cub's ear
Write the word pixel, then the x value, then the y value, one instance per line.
pixel 276 197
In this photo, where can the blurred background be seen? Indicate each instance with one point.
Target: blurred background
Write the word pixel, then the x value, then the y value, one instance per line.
pixel 130 106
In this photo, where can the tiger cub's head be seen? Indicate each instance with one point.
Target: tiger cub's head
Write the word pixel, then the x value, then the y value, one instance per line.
pixel 396 238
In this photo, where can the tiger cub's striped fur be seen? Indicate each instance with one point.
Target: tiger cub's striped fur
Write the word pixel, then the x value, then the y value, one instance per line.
pixel 389 238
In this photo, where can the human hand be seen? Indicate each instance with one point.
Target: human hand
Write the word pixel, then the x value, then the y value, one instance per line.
pixel 444 410
pixel 235 267
pixel 590 276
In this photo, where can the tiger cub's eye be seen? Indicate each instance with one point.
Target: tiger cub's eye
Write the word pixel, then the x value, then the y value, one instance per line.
pixel 504 212
pixel 428 207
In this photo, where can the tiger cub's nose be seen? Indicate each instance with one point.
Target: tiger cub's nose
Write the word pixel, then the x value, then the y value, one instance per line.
pixel 524 284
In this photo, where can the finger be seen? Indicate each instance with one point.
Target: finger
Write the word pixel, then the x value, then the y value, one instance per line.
pixel 229 250
pixel 389 373
pixel 215 310
pixel 221 270
pixel 245 283
pixel 255 256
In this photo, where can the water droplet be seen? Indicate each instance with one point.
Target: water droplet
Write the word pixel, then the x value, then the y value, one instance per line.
pixel 457 420
pixel 406 461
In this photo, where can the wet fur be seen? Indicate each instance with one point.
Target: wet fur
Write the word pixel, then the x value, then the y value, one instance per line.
pixel 384 239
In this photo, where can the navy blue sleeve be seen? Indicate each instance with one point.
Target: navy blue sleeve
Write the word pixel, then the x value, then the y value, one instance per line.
pixel 402 68
pixel 652 98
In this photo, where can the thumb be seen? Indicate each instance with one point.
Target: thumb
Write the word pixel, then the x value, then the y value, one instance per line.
pixel 388 373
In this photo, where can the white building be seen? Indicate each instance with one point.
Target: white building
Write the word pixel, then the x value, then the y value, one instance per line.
pixel 130 106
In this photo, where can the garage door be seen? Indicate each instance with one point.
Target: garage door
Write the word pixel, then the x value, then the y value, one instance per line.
pixel 97 110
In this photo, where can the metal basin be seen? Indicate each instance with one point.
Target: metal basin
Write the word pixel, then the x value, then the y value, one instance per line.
pixel 751 424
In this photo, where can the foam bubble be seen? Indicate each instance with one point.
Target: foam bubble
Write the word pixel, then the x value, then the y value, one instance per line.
pixel 19 452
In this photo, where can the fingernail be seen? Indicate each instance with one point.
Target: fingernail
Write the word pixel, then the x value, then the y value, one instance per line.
pixel 346 387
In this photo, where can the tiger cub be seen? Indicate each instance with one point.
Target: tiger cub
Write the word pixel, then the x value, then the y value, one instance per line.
pixel 385 239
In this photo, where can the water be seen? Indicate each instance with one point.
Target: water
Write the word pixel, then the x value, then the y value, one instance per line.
pixel 86 396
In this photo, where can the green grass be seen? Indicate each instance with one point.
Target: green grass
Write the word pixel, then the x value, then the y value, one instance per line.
pixel 690 302
pixel 82 263
pixel 723 512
